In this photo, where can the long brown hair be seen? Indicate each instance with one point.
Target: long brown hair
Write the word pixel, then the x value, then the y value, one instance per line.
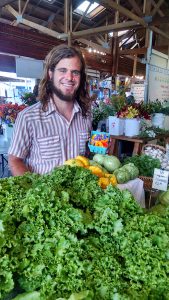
pixel 52 59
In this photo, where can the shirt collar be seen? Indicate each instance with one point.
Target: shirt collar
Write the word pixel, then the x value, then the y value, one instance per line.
pixel 51 107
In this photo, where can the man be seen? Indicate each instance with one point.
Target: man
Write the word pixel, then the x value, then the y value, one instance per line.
pixel 57 127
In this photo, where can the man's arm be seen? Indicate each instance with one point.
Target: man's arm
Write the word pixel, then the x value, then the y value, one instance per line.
pixel 17 166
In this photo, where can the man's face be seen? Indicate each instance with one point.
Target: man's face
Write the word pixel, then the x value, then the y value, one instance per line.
pixel 66 78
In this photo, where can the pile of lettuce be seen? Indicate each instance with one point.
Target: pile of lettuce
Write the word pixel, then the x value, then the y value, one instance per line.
pixel 63 237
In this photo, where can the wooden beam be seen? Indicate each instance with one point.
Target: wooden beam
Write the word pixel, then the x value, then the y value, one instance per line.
pixel 99 39
pixel 12 11
pixel 52 18
pixel 147 7
pixel 126 35
pixel 69 40
pixel 19 7
pixel 134 66
pixel 133 57
pixel 146 11
pixel 106 34
pixel 81 18
pixel 108 28
pixel 123 11
pixel 24 8
pixel 71 17
pixel 135 51
pixel 160 20
pixel 66 16
pixel 32 24
pixel 136 7
pixel 129 37
pixel 156 8
pixel 159 11
pixel 94 45
pixel 5 2
pixel 155 29
pixel 115 44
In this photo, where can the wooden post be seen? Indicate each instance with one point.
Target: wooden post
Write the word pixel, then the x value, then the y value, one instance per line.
pixel 69 40
pixel 134 68
pixel 115 47
pixel 66 16
pixel 19 6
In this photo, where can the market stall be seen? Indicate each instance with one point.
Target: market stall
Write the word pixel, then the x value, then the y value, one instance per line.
pixel 63 236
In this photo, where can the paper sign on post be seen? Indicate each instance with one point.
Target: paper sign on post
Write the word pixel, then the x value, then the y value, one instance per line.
pixel 160 180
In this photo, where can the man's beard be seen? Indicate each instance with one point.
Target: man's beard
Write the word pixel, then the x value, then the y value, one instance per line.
pixel 58 93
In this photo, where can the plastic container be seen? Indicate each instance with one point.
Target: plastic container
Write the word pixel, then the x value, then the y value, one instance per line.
pixel 98 149
pixel 132 127
pixel 116 125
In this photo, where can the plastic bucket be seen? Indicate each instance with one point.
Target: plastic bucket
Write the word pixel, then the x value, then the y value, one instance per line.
pixel 116 126
pixel 158 120
pixel 166 123
pixel 132 127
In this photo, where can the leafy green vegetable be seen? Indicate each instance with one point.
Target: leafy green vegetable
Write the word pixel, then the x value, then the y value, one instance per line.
pixel 111 163
pixel 132 169
pixel 145 164
pixel 63 237
pixel 164 198
pixel 122 175
pixel 99 158
pixel 28 296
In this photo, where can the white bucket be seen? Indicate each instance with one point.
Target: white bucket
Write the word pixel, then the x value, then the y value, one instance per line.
pixel 166 122
pixel 158 120
pixel 132 127
pixel 116 126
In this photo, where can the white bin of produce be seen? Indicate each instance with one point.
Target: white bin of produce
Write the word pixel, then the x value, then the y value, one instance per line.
pixel 158 120
pixel 116 126
pixel 132 127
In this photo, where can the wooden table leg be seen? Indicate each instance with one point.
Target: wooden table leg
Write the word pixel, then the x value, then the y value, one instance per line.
pixel 112 146
pixel 136 148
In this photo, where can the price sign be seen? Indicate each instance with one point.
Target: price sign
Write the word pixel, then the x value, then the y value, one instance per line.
pixel 160 180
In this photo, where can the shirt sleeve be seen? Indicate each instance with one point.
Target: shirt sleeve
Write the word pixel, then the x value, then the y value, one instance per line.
pixel 21 139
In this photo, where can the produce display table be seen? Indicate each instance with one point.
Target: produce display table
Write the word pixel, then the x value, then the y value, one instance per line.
pixel 138 142
pixel 136 187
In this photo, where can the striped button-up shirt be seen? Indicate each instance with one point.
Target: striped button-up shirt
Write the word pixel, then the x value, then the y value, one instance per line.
pixel 45 139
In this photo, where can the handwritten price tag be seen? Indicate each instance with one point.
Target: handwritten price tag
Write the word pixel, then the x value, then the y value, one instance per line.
pixel 160 180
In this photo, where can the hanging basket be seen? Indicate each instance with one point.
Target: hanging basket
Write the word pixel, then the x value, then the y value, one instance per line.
pixel 153 147
pixel 148 181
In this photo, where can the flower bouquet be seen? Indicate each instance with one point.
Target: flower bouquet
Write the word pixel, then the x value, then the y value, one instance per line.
pixel 135 110
pixel 9 112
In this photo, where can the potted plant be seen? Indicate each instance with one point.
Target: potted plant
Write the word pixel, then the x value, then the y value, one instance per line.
pixel 97 115
pixel 133 114
pixel 156 109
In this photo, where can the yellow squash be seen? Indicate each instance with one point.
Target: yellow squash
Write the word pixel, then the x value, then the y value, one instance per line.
pixel 84 160
pixel 104 182
pixel 96 171
pixel 74 162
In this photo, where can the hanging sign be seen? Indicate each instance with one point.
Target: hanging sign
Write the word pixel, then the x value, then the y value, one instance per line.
pixel 160 180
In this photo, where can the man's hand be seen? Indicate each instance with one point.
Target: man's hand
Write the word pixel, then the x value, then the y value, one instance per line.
pixel 17 166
